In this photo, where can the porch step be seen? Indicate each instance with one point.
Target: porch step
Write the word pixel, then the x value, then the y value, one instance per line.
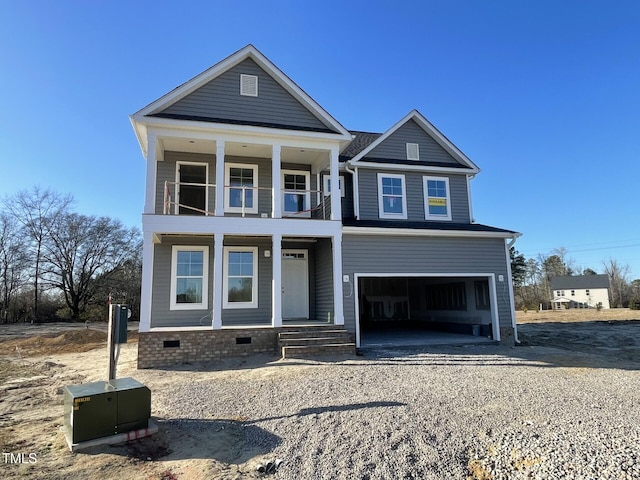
pixel 300 342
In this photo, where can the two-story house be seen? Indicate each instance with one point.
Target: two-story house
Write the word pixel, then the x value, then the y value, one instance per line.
pixel 580 291
pixel 245 236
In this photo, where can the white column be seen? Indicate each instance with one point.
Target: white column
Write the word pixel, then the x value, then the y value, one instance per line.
pixel 218 259
pixel 152 167
pixel 336 210
pixel 338 314
pixel 147 282
pixel 219 210
pixel 276 284
pixel 276 208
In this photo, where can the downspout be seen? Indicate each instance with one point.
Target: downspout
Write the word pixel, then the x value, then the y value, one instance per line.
pixel 356 197
pixel 507 246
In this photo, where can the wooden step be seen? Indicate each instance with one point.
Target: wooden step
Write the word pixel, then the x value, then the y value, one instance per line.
pixel 305 341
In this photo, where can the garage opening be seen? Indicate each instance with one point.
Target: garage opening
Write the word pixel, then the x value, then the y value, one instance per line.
pixel 424 310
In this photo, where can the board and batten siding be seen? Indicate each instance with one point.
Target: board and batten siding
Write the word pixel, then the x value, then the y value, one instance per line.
pixel 424 255
pixel 395 146
pixel 161 315
pixel 368 191
pixel 220 99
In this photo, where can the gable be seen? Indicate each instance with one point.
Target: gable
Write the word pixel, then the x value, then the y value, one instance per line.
pixel 394 148
pixel 219 101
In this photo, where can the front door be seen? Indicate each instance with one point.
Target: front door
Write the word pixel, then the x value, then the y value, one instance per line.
pixel 295 284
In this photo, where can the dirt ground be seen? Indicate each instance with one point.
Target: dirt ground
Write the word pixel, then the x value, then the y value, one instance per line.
pixel 36 362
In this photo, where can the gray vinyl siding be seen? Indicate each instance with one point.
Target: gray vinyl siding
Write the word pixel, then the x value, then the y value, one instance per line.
pixel 263 314
pixel 166 170
pixel 368 191
pixel 161 315
pixel 220 99
pixel 424 255
pixel 324 279
pixel 346 204
pixel 395 146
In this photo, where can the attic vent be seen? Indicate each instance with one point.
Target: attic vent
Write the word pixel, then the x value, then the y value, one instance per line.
pixel 413 152
pixel 249 85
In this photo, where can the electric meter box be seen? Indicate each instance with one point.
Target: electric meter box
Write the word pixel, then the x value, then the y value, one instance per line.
pixel 102 409
pixel 120 316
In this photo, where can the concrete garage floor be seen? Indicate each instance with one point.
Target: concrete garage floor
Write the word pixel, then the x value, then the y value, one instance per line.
pixel 412 338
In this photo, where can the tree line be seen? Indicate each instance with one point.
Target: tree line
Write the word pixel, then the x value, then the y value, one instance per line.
pixel 532 279
pixel 57 264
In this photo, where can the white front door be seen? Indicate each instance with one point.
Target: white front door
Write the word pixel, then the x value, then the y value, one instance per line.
pixel 295 284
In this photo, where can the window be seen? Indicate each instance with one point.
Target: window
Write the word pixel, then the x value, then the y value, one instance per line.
pixel 296 195
pixel 392 198
pixel 327 185
pixel 240 287
pixel 241 175
pixel 436 198
pixel 413 151
pixel 189 266
pixel 248 85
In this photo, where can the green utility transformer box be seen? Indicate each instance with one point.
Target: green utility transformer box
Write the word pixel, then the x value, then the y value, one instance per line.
pixel 102 409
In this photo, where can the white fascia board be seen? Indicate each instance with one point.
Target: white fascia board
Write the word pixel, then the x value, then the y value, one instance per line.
pixel 403 232
pixel 415 168
pixel 190 225
pixel 224 129
pixel 247 52
pixel 428 127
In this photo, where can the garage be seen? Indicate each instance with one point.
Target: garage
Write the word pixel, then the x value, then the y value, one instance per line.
pixel 425 309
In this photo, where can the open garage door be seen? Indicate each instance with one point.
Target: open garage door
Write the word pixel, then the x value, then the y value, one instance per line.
pixel 425 309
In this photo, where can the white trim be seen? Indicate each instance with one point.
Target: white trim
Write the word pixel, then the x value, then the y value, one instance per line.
pixel 305 253
pixel 403 232
pixel 381 212
pixel 306 193
pixel 227 183
pixel 413 151
pixel 491 277
pixel 338 292
pixel 146 293
pixel 276 282
pixel 425 189
pixel 248 85
pixel 325 185
pixel 431 130
pixel 219 206
pixel 469 178
pixel 151 177
pixel 218 259
pixel 225 282
pixel 412 168
pixel 276 203
pixel 336 204
pixel 178 186
pixel 204 304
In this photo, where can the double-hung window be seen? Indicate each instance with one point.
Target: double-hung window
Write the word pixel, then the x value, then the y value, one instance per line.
pixel 240 287
pixel 437 204
pixel 296 194
pixel 392 196
pixel 189 266
pixel 241 188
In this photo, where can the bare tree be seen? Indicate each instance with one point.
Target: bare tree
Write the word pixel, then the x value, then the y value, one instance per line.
pixel 13 264
pixel 618 280
pixel 36 210
pixel 85 251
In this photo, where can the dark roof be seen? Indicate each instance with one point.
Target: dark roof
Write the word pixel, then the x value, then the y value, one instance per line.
pixel 425 225
pixel 196 118
pixel 580 282
pixel 361 141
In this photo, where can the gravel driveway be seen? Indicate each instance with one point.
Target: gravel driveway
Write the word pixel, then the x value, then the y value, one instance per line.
pixel 479 412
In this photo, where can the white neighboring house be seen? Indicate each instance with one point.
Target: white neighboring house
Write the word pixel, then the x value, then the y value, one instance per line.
pixel 580 291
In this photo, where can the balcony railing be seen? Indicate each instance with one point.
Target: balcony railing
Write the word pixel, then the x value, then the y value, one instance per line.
pixel 295 203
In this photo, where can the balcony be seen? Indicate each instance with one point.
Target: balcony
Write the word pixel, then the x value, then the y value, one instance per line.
pixel 194 198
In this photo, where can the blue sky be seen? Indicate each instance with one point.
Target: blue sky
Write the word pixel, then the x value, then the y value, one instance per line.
pixel 544 96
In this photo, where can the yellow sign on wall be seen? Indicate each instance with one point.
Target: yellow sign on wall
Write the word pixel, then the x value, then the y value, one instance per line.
pixel 437 202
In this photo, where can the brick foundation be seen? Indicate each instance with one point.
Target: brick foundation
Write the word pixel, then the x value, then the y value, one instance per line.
pixel 507 336
pixel 163 349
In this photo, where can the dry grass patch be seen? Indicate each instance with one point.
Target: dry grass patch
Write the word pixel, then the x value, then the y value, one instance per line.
pixel 577 315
